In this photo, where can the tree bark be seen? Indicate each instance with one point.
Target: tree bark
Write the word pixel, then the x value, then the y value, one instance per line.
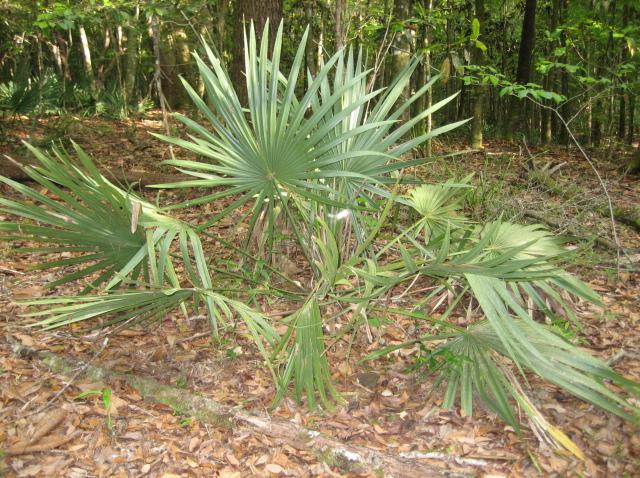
pixel 258 12
pixel 339 33
pixel 631 127
pixel 131 60
pixel 402 47
pixel 221 24
pixel 175 57
pixel 565 108
pixel 523 72
pixel 426 101
pixel 311 11
pixel 478 93
pixel 527 42
pixel 86 56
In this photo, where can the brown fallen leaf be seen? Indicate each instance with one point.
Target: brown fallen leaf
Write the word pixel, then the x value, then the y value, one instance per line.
pixel 232 459
pixel 28 292
pixel 48 443
pixel 273 468
pixel 47 424
pixel 26 340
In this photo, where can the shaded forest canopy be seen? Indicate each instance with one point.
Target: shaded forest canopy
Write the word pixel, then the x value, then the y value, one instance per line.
pixel 516 63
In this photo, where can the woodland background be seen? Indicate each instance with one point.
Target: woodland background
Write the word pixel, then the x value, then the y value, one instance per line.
pixel 515 62
pixel 550 88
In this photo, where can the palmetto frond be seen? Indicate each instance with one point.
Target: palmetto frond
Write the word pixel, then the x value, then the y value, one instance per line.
pixel 507 268
pixel 133 307
pixel 108 232
pixel 327 147
pixel 306 363
pixel 439 207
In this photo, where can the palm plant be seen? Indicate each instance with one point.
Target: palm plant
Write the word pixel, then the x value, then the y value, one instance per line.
pixel 326 149
pixel 325 161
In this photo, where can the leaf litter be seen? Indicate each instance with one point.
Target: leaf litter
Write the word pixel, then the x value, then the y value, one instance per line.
pixel 387 408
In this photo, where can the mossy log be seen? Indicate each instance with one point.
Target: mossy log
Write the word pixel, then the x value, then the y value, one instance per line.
pixel 348 458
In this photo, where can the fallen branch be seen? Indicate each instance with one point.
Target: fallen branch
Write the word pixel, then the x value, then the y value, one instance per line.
pixel 349 458
pixel 601 241
pixel 627 216
pixel 135 179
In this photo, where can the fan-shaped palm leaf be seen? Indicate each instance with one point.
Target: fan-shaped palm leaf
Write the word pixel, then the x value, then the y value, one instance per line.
pixel 107 231
pixel 323 147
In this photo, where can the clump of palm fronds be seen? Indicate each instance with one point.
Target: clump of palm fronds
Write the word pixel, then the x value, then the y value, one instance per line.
pixel 327 163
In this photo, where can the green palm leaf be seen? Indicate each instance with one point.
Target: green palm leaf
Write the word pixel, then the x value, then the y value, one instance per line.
pixel 323 149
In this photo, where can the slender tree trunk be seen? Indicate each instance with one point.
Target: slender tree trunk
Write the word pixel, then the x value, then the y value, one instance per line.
pixel 402 48
pixel 175 56
pixel 311 10
pixel 527 42
pixel 221 24
pixel 320 42
pixel 622 116
pixel 546 132
pixel 63 51
pixel 86 55
pixel 478 93
pixel 631 127
pixel 622 95
pixel 565 109
pixel 425 75
pixel 131 60
pixel 339 33
pixel 157 77
pixel 523 73
pixel 57 59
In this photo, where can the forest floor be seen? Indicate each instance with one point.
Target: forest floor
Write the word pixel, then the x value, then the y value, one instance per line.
pixel 393 410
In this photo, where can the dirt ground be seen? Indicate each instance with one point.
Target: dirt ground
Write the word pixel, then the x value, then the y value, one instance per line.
pixel 394 410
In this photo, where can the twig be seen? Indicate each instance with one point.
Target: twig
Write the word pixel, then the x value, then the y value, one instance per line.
pixel 380 56
pixel 622 353
pixel 6 270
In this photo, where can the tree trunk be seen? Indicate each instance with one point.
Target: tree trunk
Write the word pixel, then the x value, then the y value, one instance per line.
pixel 523 73
pixel 426 101
pixel 311 10
pixel 622 95
pixel 131 60
pixel 631 127
pixel 258 12
pixel 57 58
pixel 527 42
pixel 565 109
pixel 63 49
pixel 320 41
pixel 86 56
pixel 221 24
pixel 478 93
pixel 402 47
pixel 340 14
pixel 546 132
pixel 157 76
pixel 175 57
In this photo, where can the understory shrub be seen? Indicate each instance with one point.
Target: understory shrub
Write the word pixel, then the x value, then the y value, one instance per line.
pixel 326 159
